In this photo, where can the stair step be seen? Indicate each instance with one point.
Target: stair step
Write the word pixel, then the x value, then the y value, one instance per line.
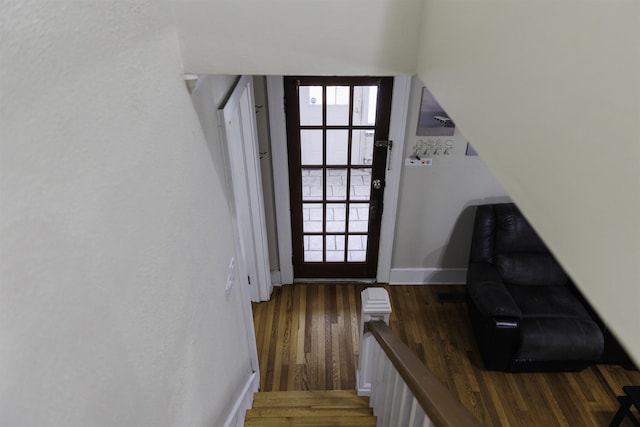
pixel 314 411
pixel 310 399
pixel 310 408
pixel 320 394
pixel 315 421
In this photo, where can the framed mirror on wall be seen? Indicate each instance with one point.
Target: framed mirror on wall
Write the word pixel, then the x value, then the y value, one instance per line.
pixel 433 120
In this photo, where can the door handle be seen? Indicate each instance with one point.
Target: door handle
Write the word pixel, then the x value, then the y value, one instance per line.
pixel 373 210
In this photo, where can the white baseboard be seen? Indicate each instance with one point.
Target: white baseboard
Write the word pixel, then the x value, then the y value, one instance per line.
pixel 362 389
pixel 428 276
pixel 276 278
pixel 244 402
pixel 410 276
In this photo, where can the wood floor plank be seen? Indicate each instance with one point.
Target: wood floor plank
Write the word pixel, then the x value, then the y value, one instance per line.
pixel 276 355
pixel 328 315
pixel 317 326
pixel 517 394
pixel 292 376
pixel 320 327
pixel 299 310
pixel 335 364
pixel 266 375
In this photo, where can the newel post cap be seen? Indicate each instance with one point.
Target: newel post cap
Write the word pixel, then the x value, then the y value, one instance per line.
pixel 376 305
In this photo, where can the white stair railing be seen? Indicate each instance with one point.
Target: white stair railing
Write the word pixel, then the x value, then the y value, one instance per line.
pixel 402 391
pixel 391 398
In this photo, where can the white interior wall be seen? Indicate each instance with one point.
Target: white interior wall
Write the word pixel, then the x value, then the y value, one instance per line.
pixel 435 214
pixel 115 231
pixel 549 94
pixel 281 37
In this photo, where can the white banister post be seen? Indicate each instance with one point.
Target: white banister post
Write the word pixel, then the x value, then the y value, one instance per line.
pixel 375 306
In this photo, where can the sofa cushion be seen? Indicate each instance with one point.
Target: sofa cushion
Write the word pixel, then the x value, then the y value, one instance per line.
pixel 513 233
pixel 483 235
pixel 530 269
pixel 547 301
pixel 559 338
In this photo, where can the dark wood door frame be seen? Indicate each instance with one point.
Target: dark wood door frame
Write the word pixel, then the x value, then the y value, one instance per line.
pixel 346 269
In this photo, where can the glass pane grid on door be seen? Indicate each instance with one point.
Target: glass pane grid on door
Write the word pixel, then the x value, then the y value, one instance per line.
pixel 334 192
pixel 330 220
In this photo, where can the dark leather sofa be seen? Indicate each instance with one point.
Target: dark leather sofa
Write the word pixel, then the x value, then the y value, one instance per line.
pixel 525 313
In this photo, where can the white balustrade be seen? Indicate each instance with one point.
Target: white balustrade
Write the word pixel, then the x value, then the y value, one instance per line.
pixel 392 401
pixel 376 305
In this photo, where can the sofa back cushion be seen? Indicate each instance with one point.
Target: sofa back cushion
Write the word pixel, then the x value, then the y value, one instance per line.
pixel 503 237
pixel 513 233
pixel 483 236
pixel 529 269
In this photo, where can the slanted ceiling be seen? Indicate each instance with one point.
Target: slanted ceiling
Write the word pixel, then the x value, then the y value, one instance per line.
pixel 549 95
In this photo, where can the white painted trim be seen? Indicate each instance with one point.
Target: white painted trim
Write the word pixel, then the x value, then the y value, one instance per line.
pixel 362 388
pixel 428 276
pixel 248 318
pixel 243 403
pixel 276 278
pixel 336 280
pixel 238 131
pixel 280 164
pixel 236 166
pixel 397 130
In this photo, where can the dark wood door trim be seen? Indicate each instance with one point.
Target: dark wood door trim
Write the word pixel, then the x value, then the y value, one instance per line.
pixel 345 269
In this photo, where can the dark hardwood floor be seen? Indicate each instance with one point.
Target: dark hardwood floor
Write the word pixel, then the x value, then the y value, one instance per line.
pixel 308 337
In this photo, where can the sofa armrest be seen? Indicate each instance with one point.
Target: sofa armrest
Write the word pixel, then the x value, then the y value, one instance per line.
pixel 488 293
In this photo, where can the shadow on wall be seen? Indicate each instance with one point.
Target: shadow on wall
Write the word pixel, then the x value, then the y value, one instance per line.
pixel 455 254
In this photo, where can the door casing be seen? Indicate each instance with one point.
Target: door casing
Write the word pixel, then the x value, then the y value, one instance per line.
pixel 238 132
pixel 397 130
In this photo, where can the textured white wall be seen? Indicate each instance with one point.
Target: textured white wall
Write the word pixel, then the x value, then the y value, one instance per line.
pixel 288 36
pixel 115 231
pixel 435 214
pixel 549 94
